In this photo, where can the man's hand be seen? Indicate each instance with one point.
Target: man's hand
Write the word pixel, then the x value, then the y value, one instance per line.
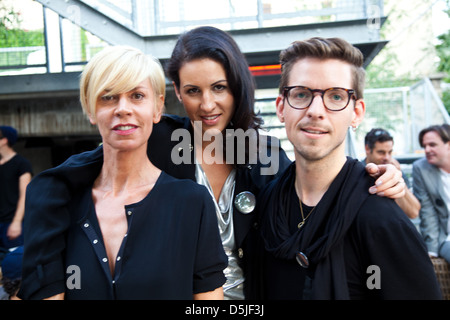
pixel 389 181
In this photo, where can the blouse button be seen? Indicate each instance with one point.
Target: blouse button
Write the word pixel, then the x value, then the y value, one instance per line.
pixel 129 212
pixel 95 241
pixel 118 258
pixel 86 225
pixel 105 259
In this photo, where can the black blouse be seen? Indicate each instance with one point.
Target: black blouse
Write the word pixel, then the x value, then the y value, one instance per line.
pixel 172 249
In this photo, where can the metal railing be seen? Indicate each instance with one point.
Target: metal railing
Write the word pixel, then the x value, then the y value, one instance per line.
pixel 403 111
pixel 67 46
pixel 158 17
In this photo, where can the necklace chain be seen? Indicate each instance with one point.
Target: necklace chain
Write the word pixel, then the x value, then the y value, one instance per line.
pixel 303 216
pixel 301 210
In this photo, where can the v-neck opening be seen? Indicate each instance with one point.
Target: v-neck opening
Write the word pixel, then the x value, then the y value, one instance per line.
pixel 91 227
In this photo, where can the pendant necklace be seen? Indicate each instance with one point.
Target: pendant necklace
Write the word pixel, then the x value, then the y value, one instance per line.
pixel 301 210
pixel 303 216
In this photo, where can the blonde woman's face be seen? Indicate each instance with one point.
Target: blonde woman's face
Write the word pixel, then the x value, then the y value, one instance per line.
pixel 125 120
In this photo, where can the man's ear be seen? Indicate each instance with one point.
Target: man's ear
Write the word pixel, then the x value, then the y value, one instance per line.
pixel 358 113
pixel 279 102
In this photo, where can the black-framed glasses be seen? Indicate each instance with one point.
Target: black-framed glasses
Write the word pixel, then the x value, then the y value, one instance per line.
pixel 334 99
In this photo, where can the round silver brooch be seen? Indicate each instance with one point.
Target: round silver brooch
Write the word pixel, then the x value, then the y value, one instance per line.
pixel 245 202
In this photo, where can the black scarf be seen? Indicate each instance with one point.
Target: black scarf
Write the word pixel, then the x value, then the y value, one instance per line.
pixel 321 239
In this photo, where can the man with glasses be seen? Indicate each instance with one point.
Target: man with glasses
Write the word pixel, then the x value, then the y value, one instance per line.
pixel 325 236
pixel 15 174
pixel 379 145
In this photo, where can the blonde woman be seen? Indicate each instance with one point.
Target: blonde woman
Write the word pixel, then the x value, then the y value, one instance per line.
pixel 126 237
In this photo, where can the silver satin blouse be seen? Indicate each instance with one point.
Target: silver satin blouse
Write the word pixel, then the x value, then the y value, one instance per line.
pixel 234 286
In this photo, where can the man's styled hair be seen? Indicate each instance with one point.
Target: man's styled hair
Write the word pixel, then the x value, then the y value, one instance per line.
pixel 376 135
pixel 324 48
pixel 442 130
pixel 118 69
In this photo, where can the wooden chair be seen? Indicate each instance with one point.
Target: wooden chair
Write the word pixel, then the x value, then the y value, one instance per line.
pixel 442 269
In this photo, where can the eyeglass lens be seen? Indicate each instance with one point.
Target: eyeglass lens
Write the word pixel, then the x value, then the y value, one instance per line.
pixel 333 98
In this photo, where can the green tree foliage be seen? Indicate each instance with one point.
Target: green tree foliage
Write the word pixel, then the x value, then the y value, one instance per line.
pixel 443 49
pixel 443 52
pixel 11 35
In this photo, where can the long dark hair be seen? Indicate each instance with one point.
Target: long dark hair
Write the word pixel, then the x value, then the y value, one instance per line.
pixel 212 43
pixel 215 44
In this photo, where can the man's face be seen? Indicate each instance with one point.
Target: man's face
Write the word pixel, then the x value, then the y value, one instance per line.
pixel 436 151
pixel 381 152
pixel 315 132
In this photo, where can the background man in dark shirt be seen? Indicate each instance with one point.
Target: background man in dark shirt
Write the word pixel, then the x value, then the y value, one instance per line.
pixel 15 174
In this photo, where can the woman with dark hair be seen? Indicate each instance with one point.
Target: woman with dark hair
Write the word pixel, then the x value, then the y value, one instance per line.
pixel 212 43
pixel 213 82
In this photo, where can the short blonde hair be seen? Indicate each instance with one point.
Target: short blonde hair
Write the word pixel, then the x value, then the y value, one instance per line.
pixel 118 69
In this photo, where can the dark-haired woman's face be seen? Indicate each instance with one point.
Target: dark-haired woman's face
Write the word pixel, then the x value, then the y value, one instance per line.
pixel 205 93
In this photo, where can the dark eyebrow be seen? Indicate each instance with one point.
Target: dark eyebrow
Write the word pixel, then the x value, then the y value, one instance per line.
pixel 212 84
pixel 217 82
pixel 190 85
